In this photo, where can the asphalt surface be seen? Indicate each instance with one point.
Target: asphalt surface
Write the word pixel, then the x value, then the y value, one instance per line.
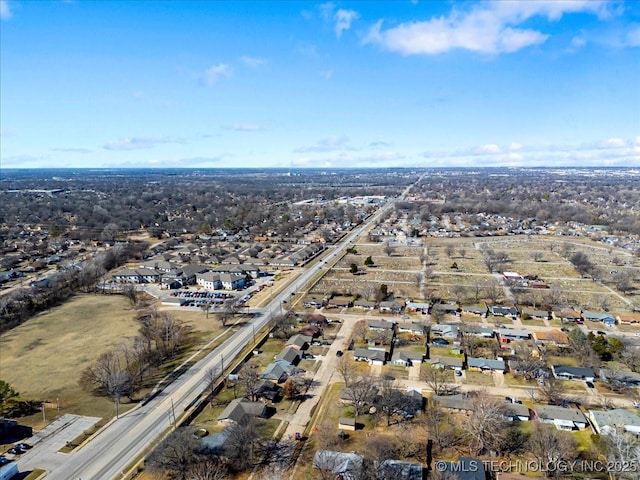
pixel 112 451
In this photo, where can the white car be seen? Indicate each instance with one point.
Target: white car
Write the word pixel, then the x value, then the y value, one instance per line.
pixel 636 404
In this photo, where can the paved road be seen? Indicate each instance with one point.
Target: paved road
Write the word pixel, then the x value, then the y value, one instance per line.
pixel 109 454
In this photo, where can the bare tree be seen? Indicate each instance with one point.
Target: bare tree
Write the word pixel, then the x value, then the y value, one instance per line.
pixel 537 256
pixel 623 450
pixel 243 443
pixel 388 249
pixel 250 378
pixel 208 468
pixel 130 292
pixel 440 428
pixel 107 376
pixel 206 307
pixel 487 425
pixel 553 391
pixel 622 281
pixel 462 252
pixel 449 250
pixel 436 378
pixel 175 454
pixel 550 447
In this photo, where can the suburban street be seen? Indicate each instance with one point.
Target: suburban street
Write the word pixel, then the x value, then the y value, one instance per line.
pixel 109 454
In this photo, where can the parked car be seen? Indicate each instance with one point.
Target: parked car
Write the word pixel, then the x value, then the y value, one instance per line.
pixel 23 446
pixel 440 341
pixel 339 353
pixel 458 373
pixel 4 460
pixel 589 384
pixel 15 451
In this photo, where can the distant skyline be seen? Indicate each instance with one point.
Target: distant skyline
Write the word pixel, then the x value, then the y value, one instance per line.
pixel 116 84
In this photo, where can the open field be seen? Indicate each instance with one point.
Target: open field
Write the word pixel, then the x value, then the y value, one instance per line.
pixel 43 357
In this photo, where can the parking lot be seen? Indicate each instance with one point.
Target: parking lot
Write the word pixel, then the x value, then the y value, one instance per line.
pixel 52 438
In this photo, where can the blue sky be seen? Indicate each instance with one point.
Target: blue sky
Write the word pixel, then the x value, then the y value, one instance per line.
pixel 305 84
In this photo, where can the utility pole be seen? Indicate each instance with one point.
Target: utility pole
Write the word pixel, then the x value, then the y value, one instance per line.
pixel 43 414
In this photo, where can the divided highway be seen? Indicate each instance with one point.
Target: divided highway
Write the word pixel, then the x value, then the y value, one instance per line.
pixel 108 455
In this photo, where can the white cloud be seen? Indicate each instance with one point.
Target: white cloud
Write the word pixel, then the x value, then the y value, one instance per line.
pixel 140 143
pixel 632 37
pixel 5 11
pixel 488 28
pixel 577 43
pixel 614 142
pixel 253 61
pixel 71 150
pixel 614 151
pixel 328 144
pixel 490 148
pixel 343 19
pixel 213 73
pixel 326 74
pixel 243 127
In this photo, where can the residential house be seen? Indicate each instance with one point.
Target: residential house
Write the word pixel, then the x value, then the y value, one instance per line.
pixel 563 418
pixel 565 372
pixel 290 355
pixel 567 315
pixel 381 325
pixel 459 402
pixel 628 378
pixel 399 470
pixel 373 357
pixel 502 311
pixel 448 308
pixel 551 337
pixel 530 313
pixel 477 331
pixel 602 317
pixel 416 328
pixel 478 310
pixel 506 335
pixel 628 317
pixel 450 363
pixel 605 422
pixel 485 365
pixel 421 307
pixel 347 423
pixel 340 302
pixel 444 330
pixel 464 469
pixel 136 275
pixel 390 306
pixel 364 304
pixel 339 465
pixel 278 371
pixel 407 358
pixel 240 408
pixel 268 390
pixel 516 412
pixel 313 302
pixel 299 341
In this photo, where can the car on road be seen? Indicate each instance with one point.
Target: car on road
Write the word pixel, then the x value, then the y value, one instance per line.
pixel 15 451
pixel 4 460
pixel 440 341
pixel 636 404
pixel 339 353
pixel 23 446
